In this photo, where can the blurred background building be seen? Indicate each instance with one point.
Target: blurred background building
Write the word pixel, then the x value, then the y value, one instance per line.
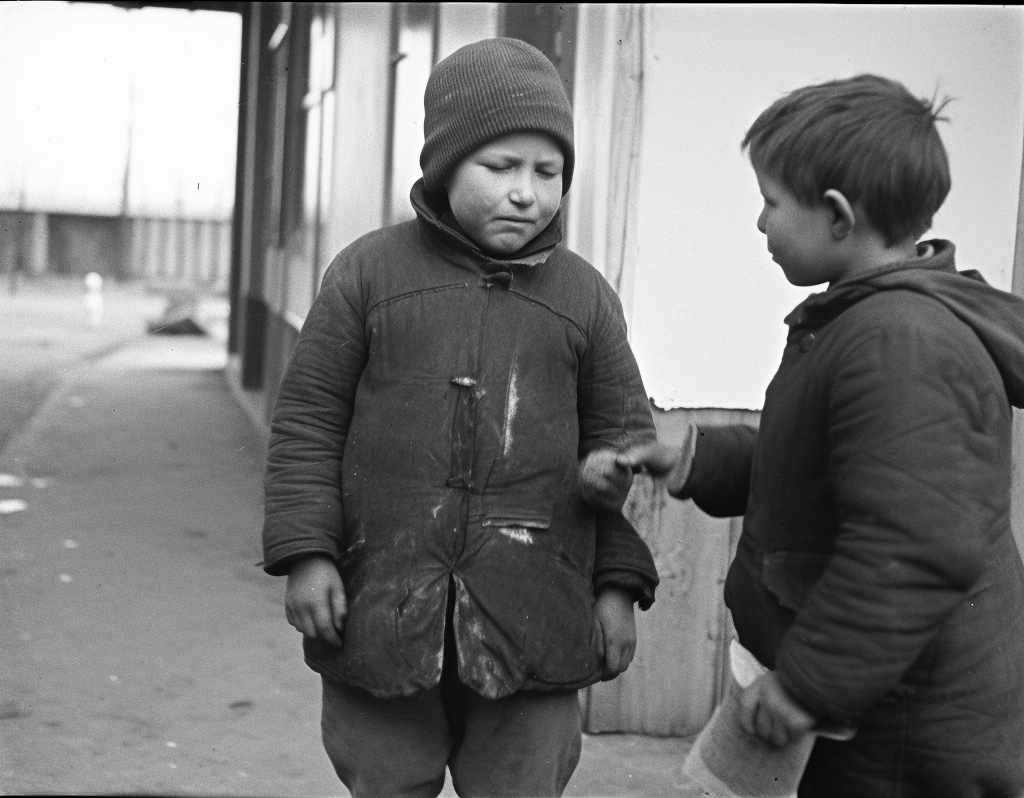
pixel 118 141
pixel 241 151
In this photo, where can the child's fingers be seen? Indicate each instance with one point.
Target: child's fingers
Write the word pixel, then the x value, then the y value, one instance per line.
pixel 303 622
pixel 629 458
pixel 796 718
pixel 339 608
pixel 598 638
pixel 655 457
pixel 763 724
pixel 748 708
pixel 625 657
pixel 780 735
pixel 617 658
pixel 621 479
pixel 324 626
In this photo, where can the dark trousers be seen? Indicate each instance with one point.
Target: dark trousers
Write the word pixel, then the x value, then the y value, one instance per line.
pixel 525 744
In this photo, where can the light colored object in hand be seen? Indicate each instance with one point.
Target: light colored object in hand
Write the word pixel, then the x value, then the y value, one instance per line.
pixel 94 299
pixel 744 665
pixel 726 762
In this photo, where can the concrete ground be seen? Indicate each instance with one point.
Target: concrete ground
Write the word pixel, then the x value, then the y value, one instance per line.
pixel 142 650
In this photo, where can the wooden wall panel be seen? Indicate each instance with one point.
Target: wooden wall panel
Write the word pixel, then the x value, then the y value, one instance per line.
pixel 675 680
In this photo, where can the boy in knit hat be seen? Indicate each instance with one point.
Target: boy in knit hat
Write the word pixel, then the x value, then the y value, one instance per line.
pixel 429 491
pixel 876 576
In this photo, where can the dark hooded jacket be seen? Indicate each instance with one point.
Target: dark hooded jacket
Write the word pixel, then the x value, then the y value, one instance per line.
pixel 877 571
pixel 428 430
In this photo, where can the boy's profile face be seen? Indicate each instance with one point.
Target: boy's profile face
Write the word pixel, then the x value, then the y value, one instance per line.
pixel 507 191
pixel 799 236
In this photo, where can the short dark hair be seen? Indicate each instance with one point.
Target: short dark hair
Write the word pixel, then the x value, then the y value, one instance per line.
pixel 865 136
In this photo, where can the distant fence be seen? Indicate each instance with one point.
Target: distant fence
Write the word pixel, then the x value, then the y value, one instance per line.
pixel 180 253
pixel 165 253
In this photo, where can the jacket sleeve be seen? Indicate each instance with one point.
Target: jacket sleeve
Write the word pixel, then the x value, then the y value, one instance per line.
pixel 302 489
pixel 623 559
pixel 907 420
pixel 719 478
pixel 614 412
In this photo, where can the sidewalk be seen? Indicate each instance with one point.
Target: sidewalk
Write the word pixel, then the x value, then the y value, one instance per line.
pixel 142 651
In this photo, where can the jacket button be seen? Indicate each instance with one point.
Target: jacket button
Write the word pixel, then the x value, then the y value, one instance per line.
pixel 807 342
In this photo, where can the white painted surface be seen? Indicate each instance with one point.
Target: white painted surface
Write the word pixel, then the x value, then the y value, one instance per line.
pixel 360 126
pixel 465 23
pixel 708 301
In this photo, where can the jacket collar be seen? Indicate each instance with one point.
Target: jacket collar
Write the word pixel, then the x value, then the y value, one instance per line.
pixel 817 310
pixel 441 229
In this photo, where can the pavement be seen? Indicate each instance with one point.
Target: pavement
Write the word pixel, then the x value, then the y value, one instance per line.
pixel 142 650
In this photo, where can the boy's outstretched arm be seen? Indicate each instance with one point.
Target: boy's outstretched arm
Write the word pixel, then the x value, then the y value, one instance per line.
pixel 314 600
pixel 711 466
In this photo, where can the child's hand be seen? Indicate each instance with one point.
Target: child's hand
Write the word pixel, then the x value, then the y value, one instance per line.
pixel 616 630
pixel 314 599
pixel 604 485
pixel 671 462
pixel 657 458
pixel 766 710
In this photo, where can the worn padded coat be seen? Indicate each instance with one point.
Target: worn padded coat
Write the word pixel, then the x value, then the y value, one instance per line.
pixel 428 429
pixel 876 570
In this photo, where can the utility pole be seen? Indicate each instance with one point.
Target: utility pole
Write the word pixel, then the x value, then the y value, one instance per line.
pixel 127 228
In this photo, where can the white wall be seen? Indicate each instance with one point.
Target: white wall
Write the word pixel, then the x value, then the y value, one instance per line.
pixel 465 23
pixel 708 301
pixel 360 125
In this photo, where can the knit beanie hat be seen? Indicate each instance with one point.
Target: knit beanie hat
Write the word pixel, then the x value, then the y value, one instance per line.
pixel 485 90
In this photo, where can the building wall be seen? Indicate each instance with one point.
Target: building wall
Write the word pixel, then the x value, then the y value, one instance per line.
pixel 79 244
pixel 188 254
pixel 16 239
pixel 179 254
pixel 360 125
pixel 662 203
pixel 1017 479
pixel 708 301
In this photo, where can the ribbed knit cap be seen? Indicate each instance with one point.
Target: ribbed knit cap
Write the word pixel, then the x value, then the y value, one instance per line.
pixel 485 90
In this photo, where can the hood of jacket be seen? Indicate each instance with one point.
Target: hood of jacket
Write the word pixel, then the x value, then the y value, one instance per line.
pixel 995 316
pixel 443 231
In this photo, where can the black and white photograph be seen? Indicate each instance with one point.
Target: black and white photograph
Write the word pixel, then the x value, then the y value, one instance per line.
pixel 511 399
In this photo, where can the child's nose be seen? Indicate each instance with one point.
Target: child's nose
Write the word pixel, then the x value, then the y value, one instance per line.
pixel 523 192
pixel 760 222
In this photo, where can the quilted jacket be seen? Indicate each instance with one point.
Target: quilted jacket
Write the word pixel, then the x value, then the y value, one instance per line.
pixel 876 570
pixel 428 429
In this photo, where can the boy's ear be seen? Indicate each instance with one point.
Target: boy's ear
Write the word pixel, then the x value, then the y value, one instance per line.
pixel 843 217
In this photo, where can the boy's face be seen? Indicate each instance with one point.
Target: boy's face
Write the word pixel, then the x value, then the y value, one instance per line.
pixel 799 236
pixel 507 191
